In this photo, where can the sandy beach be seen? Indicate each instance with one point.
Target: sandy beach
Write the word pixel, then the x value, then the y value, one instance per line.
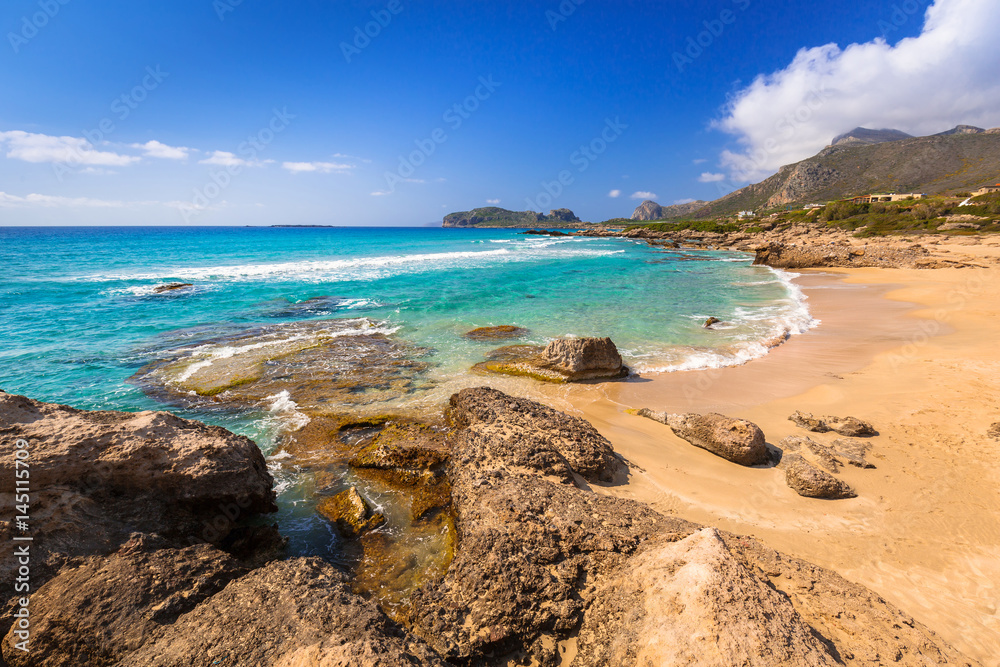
pixel 911 351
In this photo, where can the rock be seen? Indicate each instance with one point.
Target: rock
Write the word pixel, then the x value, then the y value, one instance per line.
pixel 170 287
pixel 736 440
pixel 852 427
pixel 808 422
pixel 97 477
pixel 584 358
pixel 546 232
pixel 819 453
pixel 953 226
pixel 293 613
pixel 525 433
pixel 853 451
pixel 812 482
pixel 693 603
pixel 350 512
pixel 532 543
pixel 994 431
pixel 710 321
pixel 102 609
pixel 501 332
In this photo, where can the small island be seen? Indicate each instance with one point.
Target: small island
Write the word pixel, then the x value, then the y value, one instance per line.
pixel 494 216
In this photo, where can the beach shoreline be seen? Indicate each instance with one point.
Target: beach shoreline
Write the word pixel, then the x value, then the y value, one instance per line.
pixel 906 349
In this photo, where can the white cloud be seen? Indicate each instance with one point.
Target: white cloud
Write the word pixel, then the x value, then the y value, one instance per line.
pixel 32 147
pixel 322 167
pixel 700 160
pixel 615 193
pixel 51 201
pixel 493 201
pixel 163 151
pixel 643 195
pixel 683 201
pixel 709 177
pixel 227 159
pixel 381 193
pixel 345 156
pixel 945 76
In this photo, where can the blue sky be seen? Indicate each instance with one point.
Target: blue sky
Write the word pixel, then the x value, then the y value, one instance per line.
pixel 232 112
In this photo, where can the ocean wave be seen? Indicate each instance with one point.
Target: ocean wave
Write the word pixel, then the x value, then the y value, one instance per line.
pixel 363 268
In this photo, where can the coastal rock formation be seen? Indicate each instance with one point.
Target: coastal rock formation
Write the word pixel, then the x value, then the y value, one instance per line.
pixel 293 613
pixel 501 332
pixel 650 210
pixel 563 360
pixel 140 590
pixel 97 477
pixel 350 512
pixel 532 543
pixel 694 603
pixel 736 440
pixel 851 427
pixel 811 482
pixel 804 256
pixel 822 454
pixel 854 452
pixel 583 358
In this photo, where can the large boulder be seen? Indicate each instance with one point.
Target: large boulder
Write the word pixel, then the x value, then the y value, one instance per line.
pixel 693 603
pixel 736 440
pixel 811 482
pixel 584 358
pixel 97 477
pixel 292 613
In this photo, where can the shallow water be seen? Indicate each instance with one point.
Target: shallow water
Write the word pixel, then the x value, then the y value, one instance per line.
pixel 81 315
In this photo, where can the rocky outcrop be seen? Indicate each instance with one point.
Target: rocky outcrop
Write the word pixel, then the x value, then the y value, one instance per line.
pixel 293 613
pixel 501 332
pixel 532 542
pixel 693 603
pixel 805 256
pixel 97 477
pixel 563 360
pixel 811 482
pixel 102 609
pixel 862 135
pixel 170 287
pixel 822 454
pixel 853 452
pixel 736 440
pixel 851 427
pixel 710 322
pixel 650 210
pixel 349 511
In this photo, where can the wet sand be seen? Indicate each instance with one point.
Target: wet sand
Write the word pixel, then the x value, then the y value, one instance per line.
pixel 915 352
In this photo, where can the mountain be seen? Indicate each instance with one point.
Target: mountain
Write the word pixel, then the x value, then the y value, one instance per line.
pixel 936 164
pixel 650 210
pixel 494 216
pixel 961 129
pixel 862 135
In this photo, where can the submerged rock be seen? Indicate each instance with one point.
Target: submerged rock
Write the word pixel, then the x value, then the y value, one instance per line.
pixel 736 440
pixel 811 482
pixel 711 321
pixel 350 512
pixel 694 603
pixel 97 477
pixel 170 287
pixel 501 332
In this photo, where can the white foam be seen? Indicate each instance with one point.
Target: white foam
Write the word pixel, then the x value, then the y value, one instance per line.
pixel 287 410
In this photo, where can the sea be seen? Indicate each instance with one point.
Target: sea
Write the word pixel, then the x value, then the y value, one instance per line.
pixel 80 313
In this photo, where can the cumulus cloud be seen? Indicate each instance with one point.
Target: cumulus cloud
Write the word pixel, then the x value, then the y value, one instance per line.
pixel 163 151
pixel 615 193
pixel 709 177
pixel 945 76
pixel 31 147
pixel 227 159
pixel 322 167
pixel 493 201
pixel 642 194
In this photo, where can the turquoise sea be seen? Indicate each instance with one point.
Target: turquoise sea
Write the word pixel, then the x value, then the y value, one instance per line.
pixel 79 314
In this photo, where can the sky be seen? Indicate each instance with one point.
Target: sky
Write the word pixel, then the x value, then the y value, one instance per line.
pixel 394 112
